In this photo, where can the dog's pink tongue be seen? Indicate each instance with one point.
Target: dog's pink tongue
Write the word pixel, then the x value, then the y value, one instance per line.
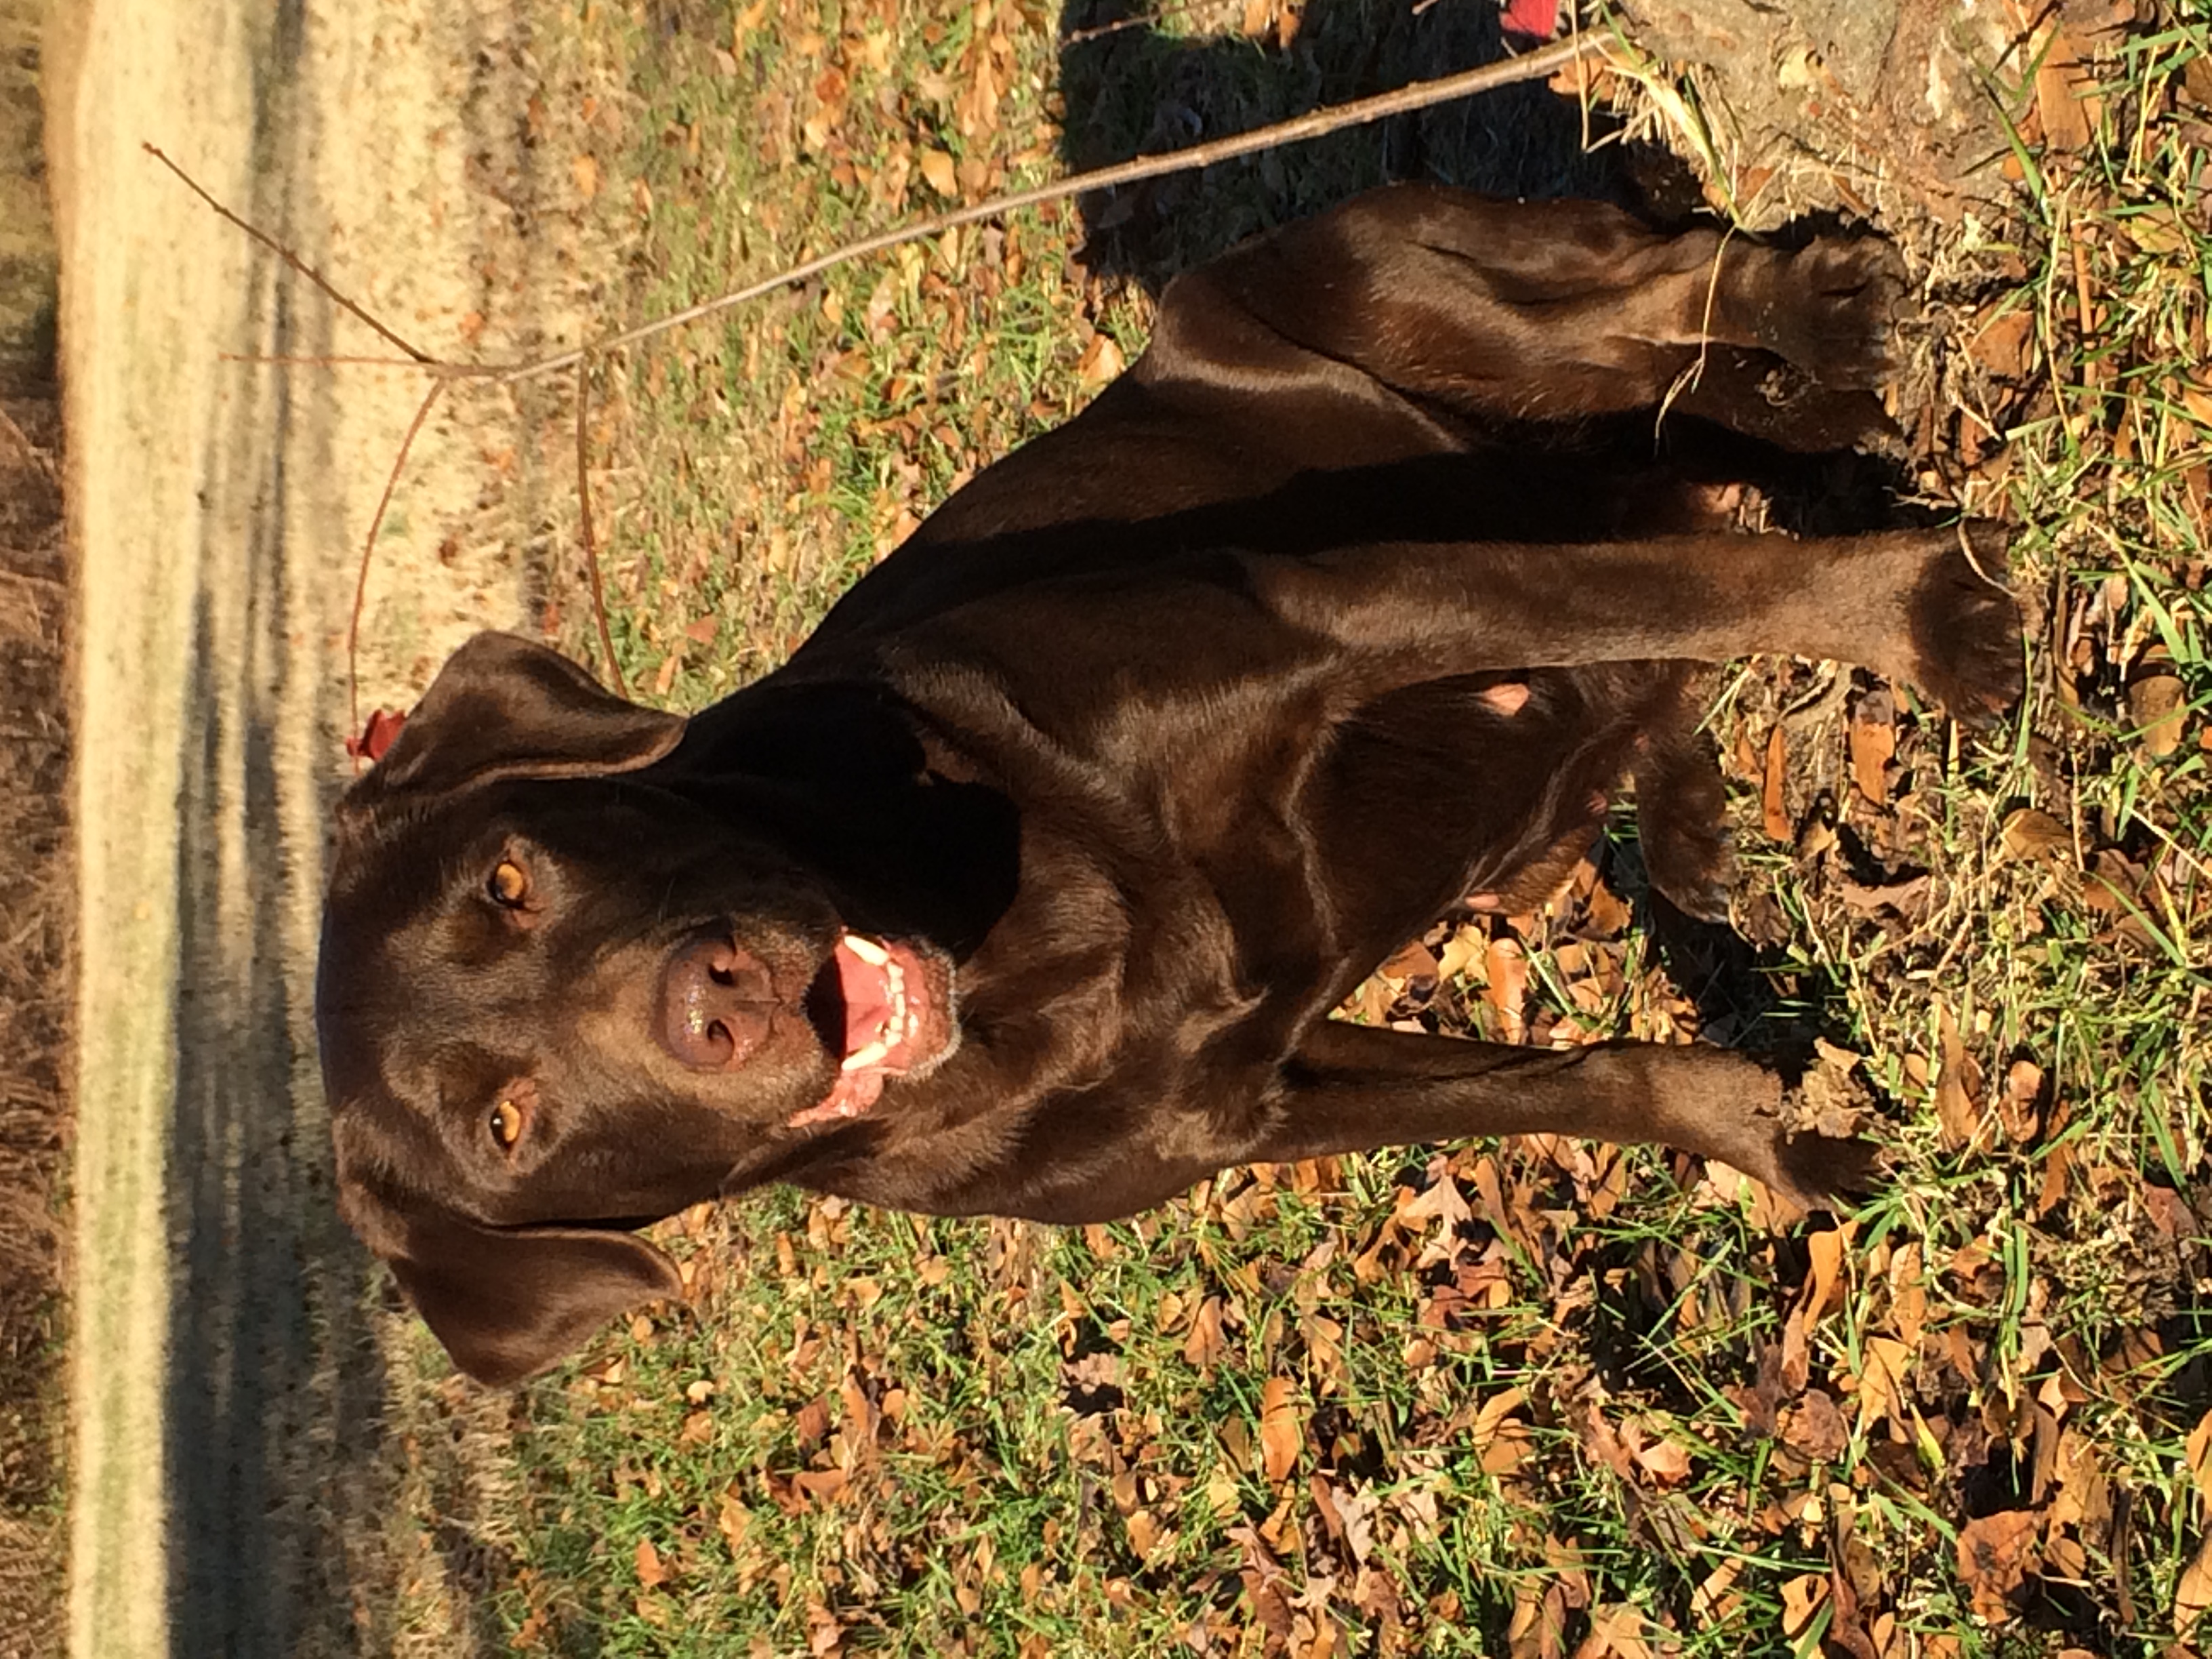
pixel 852 1094
pixel 867 990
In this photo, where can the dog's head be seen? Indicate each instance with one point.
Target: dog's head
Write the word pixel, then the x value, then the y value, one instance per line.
pixel 559 997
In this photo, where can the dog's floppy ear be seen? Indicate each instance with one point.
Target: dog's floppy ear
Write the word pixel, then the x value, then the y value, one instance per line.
pixel 503 707
pixel 509 1302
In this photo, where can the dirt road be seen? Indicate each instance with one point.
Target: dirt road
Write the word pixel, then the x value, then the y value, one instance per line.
pixel 231 1484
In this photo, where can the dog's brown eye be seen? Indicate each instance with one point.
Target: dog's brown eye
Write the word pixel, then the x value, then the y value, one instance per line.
pixel 510 886
pixel 506 1124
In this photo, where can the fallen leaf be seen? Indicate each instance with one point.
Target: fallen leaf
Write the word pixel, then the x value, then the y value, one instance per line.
pixel 1665 1461
pixel 2121 890
pixel 937 170
pixel 1908 1294
pixel 650 1572
pixel 1532 19
pixel 1874 744
pixel 2198 1453
pixel 377 735
pixel 1281 1436
pixel 1885 1364
pixel 1801 1597
pixel 2192 1595
pixel 1957 1089
pixel 1774 815
pixel 1144 1533
pixel 585 169
pixel 1602 1445
pixel 1506 967
pixel 733 1520
pixel 1714 1597
pixel 1463 950
pixel 2065 90
pixel 1814 1427
pixel 2004 345
pixel 1415 961
pixel 1205 1344
pixel 2029 834
pixel 1823 1279
pixel 1996 1552
pixel 2157 702
pixel 2020 1107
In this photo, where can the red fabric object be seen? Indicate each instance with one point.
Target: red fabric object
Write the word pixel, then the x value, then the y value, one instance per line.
pixel 376 737
pixel 1533 20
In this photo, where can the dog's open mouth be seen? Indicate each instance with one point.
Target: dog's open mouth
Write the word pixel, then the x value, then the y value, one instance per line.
pixel 884 1009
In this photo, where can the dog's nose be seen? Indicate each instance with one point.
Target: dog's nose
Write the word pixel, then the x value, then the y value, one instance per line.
pixel 715 1000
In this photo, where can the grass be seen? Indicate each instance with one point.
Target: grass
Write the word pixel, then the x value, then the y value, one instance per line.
pixel 1518 1399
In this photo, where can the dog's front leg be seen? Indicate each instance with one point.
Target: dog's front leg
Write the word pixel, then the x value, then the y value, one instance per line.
pixel 1922 605
pixel 1353 1088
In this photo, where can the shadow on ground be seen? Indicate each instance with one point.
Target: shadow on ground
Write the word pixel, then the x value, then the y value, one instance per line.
pixel 1132 89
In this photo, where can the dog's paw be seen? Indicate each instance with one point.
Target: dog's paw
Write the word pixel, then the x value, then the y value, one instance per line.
pixel 1820 1172
pixel 1690 858
pixel 1834 311
pixel 1965 627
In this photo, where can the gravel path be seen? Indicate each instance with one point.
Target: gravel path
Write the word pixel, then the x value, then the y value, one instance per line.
pixel 232 1488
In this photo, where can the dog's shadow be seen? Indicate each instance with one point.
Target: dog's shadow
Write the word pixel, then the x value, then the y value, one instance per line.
pixel 1133 88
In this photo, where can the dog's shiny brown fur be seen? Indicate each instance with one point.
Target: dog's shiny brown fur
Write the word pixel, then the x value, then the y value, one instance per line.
pixel 1342 605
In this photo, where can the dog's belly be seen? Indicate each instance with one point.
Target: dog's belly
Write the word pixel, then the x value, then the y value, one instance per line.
pixel 1431 793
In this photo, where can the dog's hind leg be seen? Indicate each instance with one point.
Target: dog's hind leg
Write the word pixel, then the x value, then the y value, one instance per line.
pixel 1540 311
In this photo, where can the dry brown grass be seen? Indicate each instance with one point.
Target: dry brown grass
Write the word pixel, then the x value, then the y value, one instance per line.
pixel 37 891
pixel 36 912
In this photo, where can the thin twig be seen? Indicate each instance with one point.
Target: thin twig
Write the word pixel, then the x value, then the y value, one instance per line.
pixel 367 548
pixel 1142 19
pixel 1420 94
pixel 287 256
pixel 590 542
pixel 292 360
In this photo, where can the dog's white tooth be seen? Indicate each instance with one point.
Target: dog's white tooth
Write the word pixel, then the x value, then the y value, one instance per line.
pixel 867 1056
pixel 867 950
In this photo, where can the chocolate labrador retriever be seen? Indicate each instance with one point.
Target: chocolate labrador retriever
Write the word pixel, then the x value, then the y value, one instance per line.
pixel 1028 886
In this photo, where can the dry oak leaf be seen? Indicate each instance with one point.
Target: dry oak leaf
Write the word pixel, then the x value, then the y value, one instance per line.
pixel 2157 702
pixel 1957 1089
pixel 1814 1427
pixel 937 170
pixel 1874 744
pixel 1801 1597
pixel 2198 1454
pixel 1280 1435
pixel 1205 1344
pixel 2029 834
pixel 650 1572
pixel 1506 966
pixel 1996 1552
pixel 1774 813
pixel 1101 364
pixel 1887 1364
pixel 2018 1107
pixel 2004 345
pixel 2193 1594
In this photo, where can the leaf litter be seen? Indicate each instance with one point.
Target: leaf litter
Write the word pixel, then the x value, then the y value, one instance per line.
pixel 1534 1397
